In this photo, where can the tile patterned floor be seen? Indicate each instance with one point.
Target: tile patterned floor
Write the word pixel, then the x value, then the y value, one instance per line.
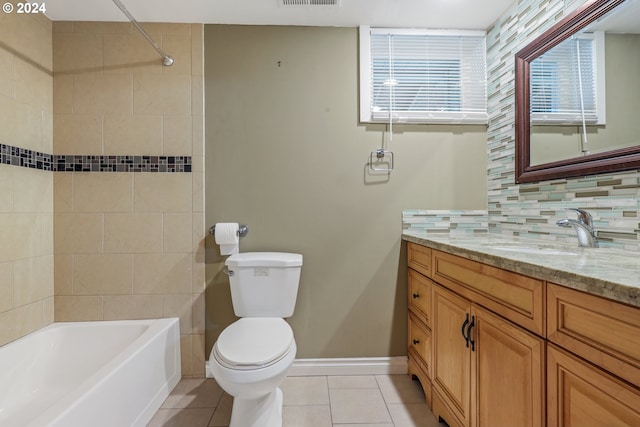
pixel 316 401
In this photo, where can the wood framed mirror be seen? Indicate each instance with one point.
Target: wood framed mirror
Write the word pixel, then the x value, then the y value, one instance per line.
pixel 537 144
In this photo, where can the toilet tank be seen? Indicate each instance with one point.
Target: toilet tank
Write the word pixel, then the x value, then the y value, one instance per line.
pixel 264 284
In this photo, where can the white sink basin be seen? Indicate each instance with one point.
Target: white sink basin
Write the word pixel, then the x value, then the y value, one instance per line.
pixel 532 248
pixel 535 250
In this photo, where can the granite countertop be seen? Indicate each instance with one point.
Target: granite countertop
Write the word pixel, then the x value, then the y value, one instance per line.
pixel 611 273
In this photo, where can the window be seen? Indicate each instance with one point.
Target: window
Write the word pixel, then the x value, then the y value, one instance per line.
pixel 567 82
pixel 419 76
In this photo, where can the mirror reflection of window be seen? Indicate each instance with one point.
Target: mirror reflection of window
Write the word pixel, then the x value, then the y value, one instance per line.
pixel 560 133
pixel 564 87
pixel 550 144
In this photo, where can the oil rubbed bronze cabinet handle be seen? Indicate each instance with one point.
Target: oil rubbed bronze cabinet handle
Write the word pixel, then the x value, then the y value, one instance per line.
pixel 416 342
pixel 416 296
pixel 466 338
pixel 471 325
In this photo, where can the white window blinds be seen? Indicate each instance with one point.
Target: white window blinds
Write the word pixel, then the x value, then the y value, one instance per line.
pixel 422 76
pixel 565 83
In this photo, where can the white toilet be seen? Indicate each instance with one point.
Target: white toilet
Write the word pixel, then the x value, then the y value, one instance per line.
pixel 252 355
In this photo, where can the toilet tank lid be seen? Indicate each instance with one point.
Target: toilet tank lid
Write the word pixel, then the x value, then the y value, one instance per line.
pixel 264 259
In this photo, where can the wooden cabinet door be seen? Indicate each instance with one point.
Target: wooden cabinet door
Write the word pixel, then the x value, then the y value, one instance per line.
pixel 451 357
pixel 507 367
pixel 579 394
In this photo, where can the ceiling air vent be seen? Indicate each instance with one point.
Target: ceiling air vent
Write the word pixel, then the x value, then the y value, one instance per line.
pixel 309 2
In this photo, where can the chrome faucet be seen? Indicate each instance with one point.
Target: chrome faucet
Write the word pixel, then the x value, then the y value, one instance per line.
pixel 583 226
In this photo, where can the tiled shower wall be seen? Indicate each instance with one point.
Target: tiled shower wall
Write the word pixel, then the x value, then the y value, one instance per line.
pixel 129 244
pixel 101 177
pixel 531 210
pixel 26 194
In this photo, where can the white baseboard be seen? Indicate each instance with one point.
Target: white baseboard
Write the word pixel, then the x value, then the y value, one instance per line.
pixel 344 366
pixel 349 366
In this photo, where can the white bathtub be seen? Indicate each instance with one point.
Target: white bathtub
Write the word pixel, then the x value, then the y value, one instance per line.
pixel 111 374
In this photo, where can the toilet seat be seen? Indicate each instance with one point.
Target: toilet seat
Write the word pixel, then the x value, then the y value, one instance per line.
pixel 253 342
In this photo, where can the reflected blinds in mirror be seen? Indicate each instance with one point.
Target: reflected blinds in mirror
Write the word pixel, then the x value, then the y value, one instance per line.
pixel 563 83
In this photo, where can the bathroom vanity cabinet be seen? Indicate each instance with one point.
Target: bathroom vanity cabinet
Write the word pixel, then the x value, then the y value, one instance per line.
pixel 493 347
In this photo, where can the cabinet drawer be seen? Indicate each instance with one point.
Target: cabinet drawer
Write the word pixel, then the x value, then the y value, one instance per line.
pixel 420 296
pixel 419 258
pixel 420 342
pixel 601 331
pixel 514 296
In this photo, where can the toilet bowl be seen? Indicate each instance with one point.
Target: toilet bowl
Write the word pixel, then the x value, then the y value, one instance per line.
pixel 249 361
pixel 251 357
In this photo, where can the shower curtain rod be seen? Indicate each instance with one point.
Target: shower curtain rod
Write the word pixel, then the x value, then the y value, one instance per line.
pixel 166 59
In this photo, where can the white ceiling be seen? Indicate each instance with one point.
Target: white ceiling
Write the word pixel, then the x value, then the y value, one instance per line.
pixel 624 19
pixel 434 14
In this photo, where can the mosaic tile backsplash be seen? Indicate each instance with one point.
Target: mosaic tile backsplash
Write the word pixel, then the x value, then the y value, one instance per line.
pixel 16 156
pixel 531 210
pixel 453 222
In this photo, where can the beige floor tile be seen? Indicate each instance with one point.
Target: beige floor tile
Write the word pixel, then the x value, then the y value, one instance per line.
pixel 315 401
pixel 222 415
pixel 305 390
pixel 412 415
pixel 400 389
pixel 358 406
pixel 194 393
pixel 197 417
pixel 352 381
pixel 306 416
pixel 365 425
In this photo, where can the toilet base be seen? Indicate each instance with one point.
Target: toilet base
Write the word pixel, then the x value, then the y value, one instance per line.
pixel 265 411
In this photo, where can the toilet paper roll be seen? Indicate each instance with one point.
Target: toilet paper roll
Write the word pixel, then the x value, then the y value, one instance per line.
pixel 227 237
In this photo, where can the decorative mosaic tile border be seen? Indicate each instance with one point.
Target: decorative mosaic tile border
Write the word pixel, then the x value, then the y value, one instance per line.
pixel 453 222
pixel 64 163
pixel 16 156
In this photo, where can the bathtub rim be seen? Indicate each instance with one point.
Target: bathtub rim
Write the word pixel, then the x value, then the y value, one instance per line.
pixel 70 401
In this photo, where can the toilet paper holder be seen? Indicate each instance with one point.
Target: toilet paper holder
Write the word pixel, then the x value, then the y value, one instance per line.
pixel 242 230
